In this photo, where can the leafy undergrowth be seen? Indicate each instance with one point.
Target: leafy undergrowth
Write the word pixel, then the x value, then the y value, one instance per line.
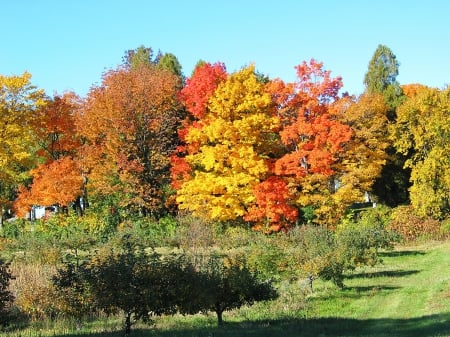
pixel 406 296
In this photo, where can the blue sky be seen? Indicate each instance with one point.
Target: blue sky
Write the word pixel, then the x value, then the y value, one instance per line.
pixel 68 44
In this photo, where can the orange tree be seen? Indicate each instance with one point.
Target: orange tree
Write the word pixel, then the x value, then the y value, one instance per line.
pixel 58 178
pixel 313 136
pixel 129 125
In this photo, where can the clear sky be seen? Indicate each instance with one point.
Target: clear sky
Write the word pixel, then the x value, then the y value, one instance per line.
pixel 68 44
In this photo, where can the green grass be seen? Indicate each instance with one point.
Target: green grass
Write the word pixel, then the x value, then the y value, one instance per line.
pixel 406 296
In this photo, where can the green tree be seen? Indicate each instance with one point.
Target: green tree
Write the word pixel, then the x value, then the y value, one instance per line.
pixel 381 76
pixel 231 284
pixel 135 57
pixel 123 281
pixel 73 290
pixel 391 187
pixel 170 62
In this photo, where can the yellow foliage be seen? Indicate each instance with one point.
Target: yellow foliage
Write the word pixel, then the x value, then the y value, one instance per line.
pixel 18 102
pixel 422 131
pixel 234 141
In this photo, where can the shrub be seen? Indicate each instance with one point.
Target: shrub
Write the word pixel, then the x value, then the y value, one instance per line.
pixel 412 227
pixel 228 284
pixel 6 297
pixel 72 290
pixel 35 295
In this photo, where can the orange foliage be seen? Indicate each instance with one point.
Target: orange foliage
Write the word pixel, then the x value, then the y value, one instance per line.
pixel 310 130
pixel 57 183
pixel 54 127
pixel 130 124
pixel 411 90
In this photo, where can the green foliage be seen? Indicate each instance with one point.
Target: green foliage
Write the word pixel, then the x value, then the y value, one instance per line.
pixel 382 74
pixel 231 284
pixel 359 241
pixel 269 258
pixel 73 291
pixel 169 61
pixel 13 229
pixel 317 254
pixel 308 214
pixel 151 232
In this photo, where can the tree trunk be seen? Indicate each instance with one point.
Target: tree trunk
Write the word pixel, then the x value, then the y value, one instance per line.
pixel 219 313
pixel 127 324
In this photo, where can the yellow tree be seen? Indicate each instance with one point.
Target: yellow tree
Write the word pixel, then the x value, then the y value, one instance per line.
pixel 422 131
pixel 365 153
pixel 19 100
pixel 234 141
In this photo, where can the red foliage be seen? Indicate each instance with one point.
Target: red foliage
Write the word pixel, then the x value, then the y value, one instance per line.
pixel 272 211
pixel 201 86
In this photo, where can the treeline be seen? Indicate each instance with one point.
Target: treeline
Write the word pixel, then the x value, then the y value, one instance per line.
pixel 228 147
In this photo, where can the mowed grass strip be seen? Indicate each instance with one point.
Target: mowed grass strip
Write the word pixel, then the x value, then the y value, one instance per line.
pixel 406 294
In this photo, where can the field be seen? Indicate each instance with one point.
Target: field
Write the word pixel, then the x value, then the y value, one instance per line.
pixel 407 295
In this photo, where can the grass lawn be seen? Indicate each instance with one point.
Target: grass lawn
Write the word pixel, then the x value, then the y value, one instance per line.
pixel 406 296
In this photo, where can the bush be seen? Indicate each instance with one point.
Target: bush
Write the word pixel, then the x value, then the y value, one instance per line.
pixel 35 295
pixel 72 291
pixel 6 297
pixel 360 239
pixel 412 227
pixel 229 284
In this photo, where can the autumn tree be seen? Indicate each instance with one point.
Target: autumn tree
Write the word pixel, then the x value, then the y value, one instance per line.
pixel 194 95
pixel 54 127
pixel 19 101
pixel 58 179
pixel 130 124
pixel 230 146
pixel 59 182
pixel 273 209
pixel 365 153
pixel 422 133
pixel 313 137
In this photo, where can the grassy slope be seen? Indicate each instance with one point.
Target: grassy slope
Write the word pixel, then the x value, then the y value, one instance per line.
pixel 406 296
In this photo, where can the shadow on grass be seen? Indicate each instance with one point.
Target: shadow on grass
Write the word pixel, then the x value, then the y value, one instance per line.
pixel 384 273
pixel 434 325
pixel 401 253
